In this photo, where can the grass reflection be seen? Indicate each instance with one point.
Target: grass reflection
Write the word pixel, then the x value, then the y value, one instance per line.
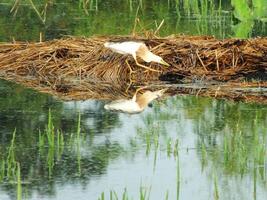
pixel 237 144
pixel 209 17
pixel 229 141
pixel 231 137
pixel 56 156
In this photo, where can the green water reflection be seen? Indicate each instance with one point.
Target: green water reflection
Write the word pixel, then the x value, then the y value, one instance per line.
pixel 117 17
pixel 215 140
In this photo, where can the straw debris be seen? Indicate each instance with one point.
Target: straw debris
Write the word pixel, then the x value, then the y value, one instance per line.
pixel 72 67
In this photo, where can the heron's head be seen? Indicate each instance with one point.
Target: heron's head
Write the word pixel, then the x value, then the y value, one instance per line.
pixel 150 57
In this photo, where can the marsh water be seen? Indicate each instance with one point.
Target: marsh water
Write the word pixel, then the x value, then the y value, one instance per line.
pixel 183 147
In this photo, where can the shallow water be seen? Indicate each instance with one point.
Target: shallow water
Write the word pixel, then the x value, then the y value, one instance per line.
pixel 184 147
pixel 218 140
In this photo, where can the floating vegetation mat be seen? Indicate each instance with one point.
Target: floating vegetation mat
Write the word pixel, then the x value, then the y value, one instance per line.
pixel 82 68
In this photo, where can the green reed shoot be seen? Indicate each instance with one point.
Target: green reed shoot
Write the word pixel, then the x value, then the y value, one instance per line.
pixel 178 173
pixel 125 195
pixel 203 155
pixel 60 143
pixel 38 13
pixel 78 143
pixel 2 169
pixel 41 141
pixel 115 195
pixel 102 196
pixel 11 163
pixel 255 181
pixel 79 126
pixel 19 187
pixel 50 137
pixel 50 161
pixel 54 141
pixel 176 148
pixel 167 195
pixel 169 147
pixel 144 194
pixel 156 145
pixel 50 132
pixel 148 142
pixel 216 190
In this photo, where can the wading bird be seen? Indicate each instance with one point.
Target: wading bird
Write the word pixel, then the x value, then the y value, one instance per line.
pixel 136 49
pixel 135 105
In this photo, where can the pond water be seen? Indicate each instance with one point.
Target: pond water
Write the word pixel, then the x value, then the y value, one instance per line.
pixel 183 147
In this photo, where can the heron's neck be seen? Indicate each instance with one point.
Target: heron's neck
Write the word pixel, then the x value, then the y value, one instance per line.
pixel 148 57
pixel 143 101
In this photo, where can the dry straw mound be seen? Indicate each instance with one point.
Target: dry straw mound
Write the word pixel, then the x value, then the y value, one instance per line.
pixel 68 66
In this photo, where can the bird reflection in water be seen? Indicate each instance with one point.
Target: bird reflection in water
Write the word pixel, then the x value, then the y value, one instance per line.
pixel 135 105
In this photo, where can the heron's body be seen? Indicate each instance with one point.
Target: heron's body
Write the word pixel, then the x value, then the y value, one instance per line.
pixel 135 48
pixel 127 47
pixel 136 104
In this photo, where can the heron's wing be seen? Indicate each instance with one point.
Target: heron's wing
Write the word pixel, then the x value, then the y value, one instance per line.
pixel 127 47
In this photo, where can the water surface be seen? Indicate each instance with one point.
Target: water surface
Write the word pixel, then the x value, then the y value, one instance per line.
pixel 218 141
pixel 184 147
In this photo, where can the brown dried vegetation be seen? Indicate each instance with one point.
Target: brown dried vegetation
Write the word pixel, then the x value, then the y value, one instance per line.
pixel 81 68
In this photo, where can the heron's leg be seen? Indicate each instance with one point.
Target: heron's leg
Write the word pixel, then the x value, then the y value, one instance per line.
pixel 130 76
pixel 141 88
pixel 128 65
pixel 137 90
pixel 145 67
pixel 129 86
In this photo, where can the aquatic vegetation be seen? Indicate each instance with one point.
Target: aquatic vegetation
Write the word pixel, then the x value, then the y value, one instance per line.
pixel 237 147
pixel 244 11
pixel 216 190
pixel 10 169
pixel 51 137
pixel 177 144
pixel 19 187
pixel 8 162
pixel 52 151
pixel 178 170
pixel 52 141
pixel 91 5
pixel 228 144
pixel 40 14
pixel 144 194
pixel 11 160
pixel 2 169
pixel 247 13
pixel 212 17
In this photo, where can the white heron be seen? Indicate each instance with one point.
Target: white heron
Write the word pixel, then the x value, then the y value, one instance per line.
pixel 136 49
pixel 135 105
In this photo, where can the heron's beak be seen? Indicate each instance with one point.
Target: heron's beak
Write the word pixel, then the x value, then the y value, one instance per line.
pixel 164 63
